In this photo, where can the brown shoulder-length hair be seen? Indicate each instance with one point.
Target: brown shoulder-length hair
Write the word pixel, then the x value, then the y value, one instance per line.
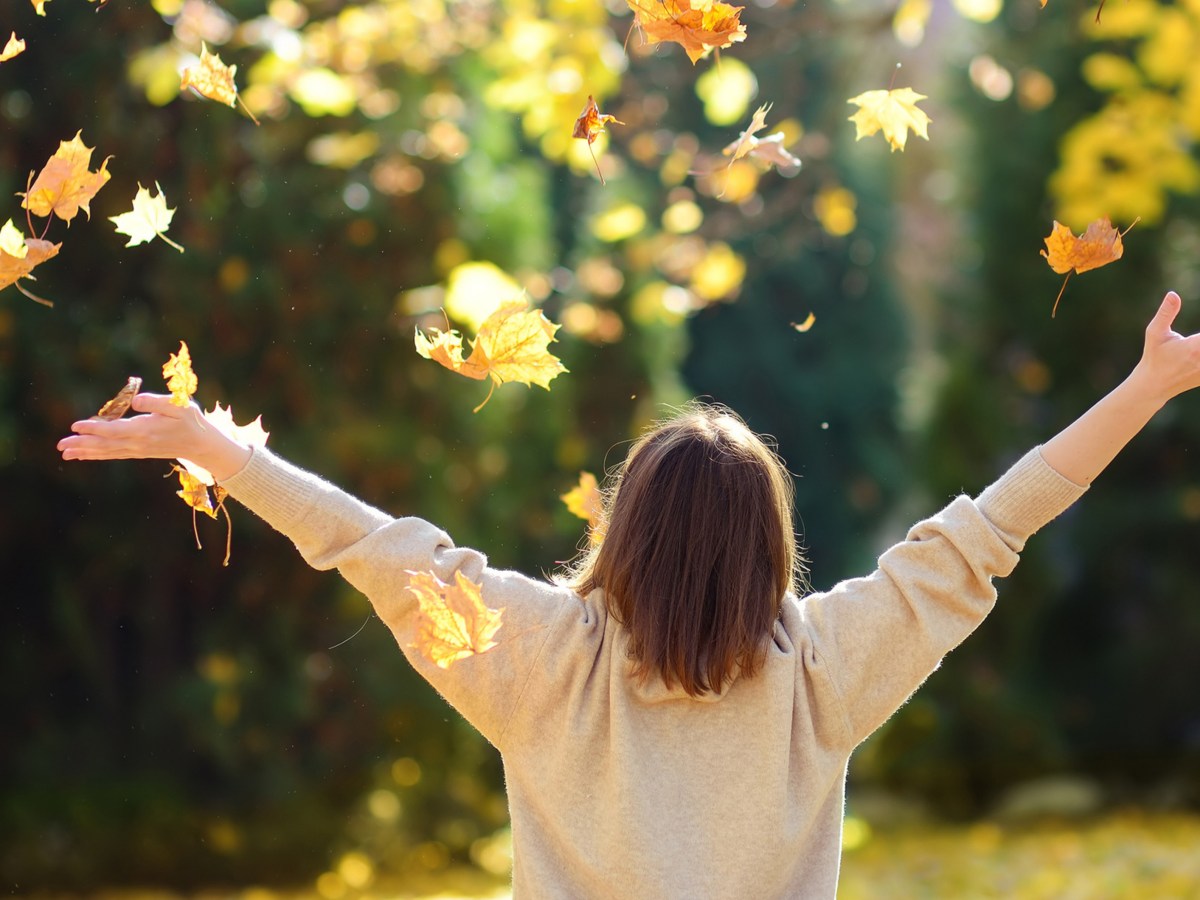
pixel 697 549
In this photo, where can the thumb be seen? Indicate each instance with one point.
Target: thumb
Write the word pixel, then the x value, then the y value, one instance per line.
pixel 1160 325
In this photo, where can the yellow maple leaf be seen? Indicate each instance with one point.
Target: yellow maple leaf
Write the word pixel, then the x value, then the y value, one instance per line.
pixel 13 48
pixel 12 240
pixel 1099 245
pixel 39 6
pixel 148 219
pixel 194 493
pixel 213 79
pixel 65 185
pixel 698 26
pixel 453 622
pixel 181 380
pixel 894 111
pixel 221 418
pixel 585 501
pixel 17 265
pixel 118 405
pixel 512 345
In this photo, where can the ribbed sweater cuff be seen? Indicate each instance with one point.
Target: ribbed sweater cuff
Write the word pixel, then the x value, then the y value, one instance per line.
pixel 273 489
pixel 1027 496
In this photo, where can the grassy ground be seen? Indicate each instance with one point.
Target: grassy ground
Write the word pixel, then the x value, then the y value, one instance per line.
pixel 1131 855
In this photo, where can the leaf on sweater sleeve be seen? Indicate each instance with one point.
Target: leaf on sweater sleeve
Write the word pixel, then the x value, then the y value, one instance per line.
pixel 453 621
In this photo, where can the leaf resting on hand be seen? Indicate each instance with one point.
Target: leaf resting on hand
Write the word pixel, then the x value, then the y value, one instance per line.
pixel 453 621
pixel 512 345
pixel 117 406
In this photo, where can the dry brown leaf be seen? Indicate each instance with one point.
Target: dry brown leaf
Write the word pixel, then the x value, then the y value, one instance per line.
pixel 117 406
pixel 512 345
pixel 453 621
pixel 589 125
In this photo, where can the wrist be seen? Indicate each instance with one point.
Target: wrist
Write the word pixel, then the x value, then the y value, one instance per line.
pixel 220 454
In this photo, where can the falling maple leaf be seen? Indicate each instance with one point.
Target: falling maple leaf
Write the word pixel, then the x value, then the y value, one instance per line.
pixel 65 185
pixel 148 219
pixel 39 6
pixel 511 346
pixel 806 325
pixel 589 126
pixel 118 405
pixel 453 622
pixel 743 145
pixel 768 149
pixel 699 26
pixel 585 501
pixel 1066 254
pixel 181 380
pixel 19 256
pixel 894 111
pixel 214 80
pixel 13 48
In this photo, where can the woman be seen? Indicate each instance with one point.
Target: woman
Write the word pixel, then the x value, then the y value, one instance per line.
pixel 674 721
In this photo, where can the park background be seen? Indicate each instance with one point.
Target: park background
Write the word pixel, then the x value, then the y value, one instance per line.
pixel 172 723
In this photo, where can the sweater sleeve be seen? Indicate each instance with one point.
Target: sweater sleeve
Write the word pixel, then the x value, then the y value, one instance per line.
pixel 879 637
pixel 376 552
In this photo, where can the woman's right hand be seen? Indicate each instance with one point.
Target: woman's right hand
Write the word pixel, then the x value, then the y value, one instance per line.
pixel 163 431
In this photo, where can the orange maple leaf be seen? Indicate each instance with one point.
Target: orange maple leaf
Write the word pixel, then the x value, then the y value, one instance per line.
pixel 589 125
pixel 1099 245
pixel 214 80
pixel 585 501
pixel 512 345
pixel 698 26
pixel 893 111
pixel 181 380
pixel 118 405
pixel 15 266
pixel 65 186
pixel 453 622
pixel 13 48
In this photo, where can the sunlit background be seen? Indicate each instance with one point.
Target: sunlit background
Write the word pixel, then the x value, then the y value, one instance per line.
pixel 172 725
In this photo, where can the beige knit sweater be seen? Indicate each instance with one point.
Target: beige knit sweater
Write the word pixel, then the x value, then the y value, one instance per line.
pixel 621 791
